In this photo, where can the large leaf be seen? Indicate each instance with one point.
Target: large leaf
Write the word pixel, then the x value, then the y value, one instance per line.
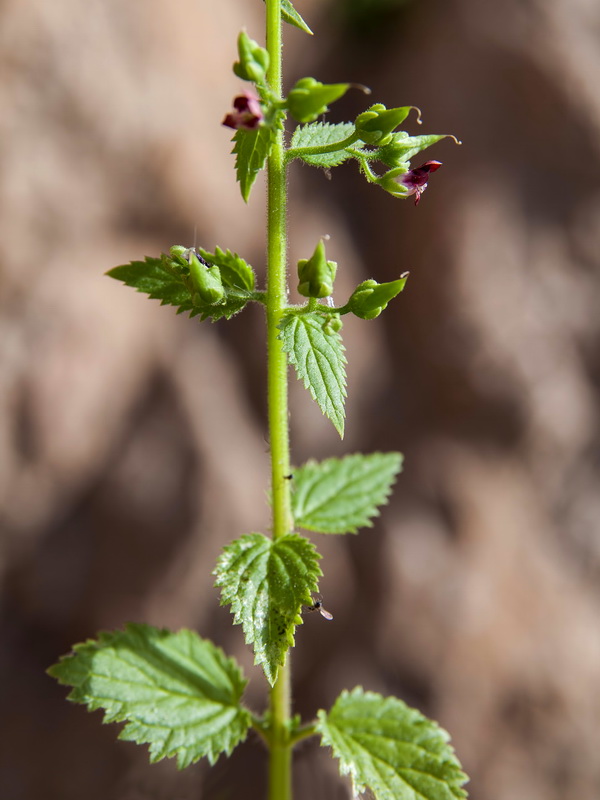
pixel 266 582
pixel 390 748
pixel 340 495
pixel 320 134
pixel 251 150
pixel 175 691
pixel 316 351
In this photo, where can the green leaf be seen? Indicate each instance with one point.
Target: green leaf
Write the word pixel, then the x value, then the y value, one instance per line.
pixel 320 134
pixel 390 748
pixel 316 351
pixel 165 280
pixel 175 691
pixel 235 272
pixel 266 582
pixel 309 98
pixel 340 495
pixel 154 277
pixel 251 150
pixel 292 17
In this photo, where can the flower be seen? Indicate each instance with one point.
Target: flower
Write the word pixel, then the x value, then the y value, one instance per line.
pixel 247 114
pixel 415 180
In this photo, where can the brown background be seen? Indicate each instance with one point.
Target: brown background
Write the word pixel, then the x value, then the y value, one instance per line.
pixel 132 442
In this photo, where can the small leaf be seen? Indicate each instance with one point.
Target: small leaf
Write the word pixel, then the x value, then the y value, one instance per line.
pixel 266 582
pixel 390 748
pixel 320 134
pixel 175 691
pixel 292 17
pixel 162 279
pixel 316 351
pixel 251 149
pixel 340 495
pixel 235 272
pixel 153 277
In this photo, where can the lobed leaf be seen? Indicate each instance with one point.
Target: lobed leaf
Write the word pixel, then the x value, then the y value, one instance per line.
pixel 175 691
pixel 340 495
pixel 316 351
pixel 235 272
pixel 266 582
pixel 251 150
pixel 319 134
pixel 390 748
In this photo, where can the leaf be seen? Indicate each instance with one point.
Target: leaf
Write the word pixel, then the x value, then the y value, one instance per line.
pixel 319 134
pixel 235 272
pixel 175 691
pixel 266 582
pixel 292 17
pixel 317 353
pixel 161 279
pixel 153 277
pixel 251 150
pixel 390 748
pixel 340 495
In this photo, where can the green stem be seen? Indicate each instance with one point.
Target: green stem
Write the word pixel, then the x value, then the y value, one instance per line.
pixel 298 152
pixel 280 762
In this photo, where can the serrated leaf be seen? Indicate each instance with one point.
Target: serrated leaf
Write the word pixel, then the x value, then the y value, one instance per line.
pixel 317 353
pixel 319 134
pixel 390 748
pixel 154 278
pixel 340 495
pixel 251 150
pixel 266 582
pixel 175 691
pixel 235 272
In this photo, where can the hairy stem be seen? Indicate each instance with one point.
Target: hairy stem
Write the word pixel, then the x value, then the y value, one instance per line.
pixel 280 748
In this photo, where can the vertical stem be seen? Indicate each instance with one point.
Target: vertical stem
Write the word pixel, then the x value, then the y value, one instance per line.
pixel 280 748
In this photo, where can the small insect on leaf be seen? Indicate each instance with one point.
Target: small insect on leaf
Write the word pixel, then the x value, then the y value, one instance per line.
pixel 318 606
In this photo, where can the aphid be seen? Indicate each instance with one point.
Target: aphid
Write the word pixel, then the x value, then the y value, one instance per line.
pixel 318 606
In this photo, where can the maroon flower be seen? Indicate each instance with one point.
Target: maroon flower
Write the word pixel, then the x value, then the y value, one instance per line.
pixel 415 180
pixel 247 114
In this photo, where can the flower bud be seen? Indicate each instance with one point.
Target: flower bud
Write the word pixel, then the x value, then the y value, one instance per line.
pixel 403 183
pixel 310 98
pixel 316 275
pixel 333 324
pixel 375 125
pixel 206 280
pixel 370 298
pixel 254 60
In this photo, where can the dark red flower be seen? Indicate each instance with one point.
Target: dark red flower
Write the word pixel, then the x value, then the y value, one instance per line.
pixel 247 114
pixel 415 180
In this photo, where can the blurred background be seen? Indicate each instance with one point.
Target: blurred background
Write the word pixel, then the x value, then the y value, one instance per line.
pixel 132 441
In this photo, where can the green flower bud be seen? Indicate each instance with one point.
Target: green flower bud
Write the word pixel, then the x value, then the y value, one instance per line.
pixel 254 60
pixel 375 125
pixel 316 275
pixel 179 254
pixel 310 98
pixel 370 298
pixel 206 280
pixel 333 324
